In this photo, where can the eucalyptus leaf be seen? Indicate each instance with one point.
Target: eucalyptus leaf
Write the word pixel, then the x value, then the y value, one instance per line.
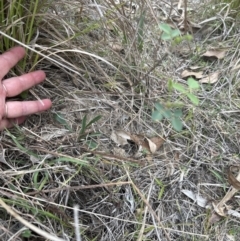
pixel 177 113
pixel 193 98
pixel 193 84
pixel 179 87
pixel 167 114
pixel 158 106
pixel 166 36
pixel 165 28
pixel 157 116
pixel 177 124
pixel 175 33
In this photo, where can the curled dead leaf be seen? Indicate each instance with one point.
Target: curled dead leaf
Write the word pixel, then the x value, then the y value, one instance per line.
pixel 120 137
pixel 210 79
pixel 152 145
pixel 197 75
pixel 219 209
pixel 116 47
pixel 218 53
pixel 231 178
pixel 158 141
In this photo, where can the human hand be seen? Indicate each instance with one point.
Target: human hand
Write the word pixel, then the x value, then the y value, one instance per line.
pixel 16 111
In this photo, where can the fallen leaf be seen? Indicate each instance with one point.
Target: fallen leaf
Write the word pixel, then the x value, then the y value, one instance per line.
pixel 202 202
pixel 158 141
pixel 120 137
pixel 116 47
pixel 219 209
pixel 231 179
pixel 210 79
pixel 197 75
pixel 119 152
pixel 214 218
pixel 152 145
pixel 218 53
pixel 233 213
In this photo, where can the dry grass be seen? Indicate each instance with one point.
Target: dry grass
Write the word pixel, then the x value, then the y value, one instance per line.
pixel 95 65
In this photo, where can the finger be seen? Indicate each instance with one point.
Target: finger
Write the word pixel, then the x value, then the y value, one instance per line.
pixel 7 123
pixel 9 59
pixel 17 109
pixel 16 85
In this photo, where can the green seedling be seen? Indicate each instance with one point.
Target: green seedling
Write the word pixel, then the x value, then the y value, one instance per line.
pixel 168 32
pixel 83 133
pixel 85 125
pixel 161 111
pixel 140 32
pixel 174 116
pixel 193 85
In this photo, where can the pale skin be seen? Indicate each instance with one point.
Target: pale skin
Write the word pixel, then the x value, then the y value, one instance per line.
pixel 16 111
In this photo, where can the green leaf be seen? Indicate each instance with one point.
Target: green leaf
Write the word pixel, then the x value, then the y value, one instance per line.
pixel 157 116
pixel 179 87
pixel 166 36
pixel 95 119
pixel 193 98
pixel 92 144
pixel 177 124
pixel 26 233
pixel 175 33
pixel 60 119
pixel 141 31
pixel 167 114
pixel 192 83
pixel 158 106
pixel 84 125
pixel 170 85
pixel 165 28
pixel 177 113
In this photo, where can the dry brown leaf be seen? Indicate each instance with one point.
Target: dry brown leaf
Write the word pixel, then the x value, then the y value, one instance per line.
pixel 158 141
pixel 116 47
pixel 210 79
pixel 218 53
pixel 231 179
pixel 152 145
pixel 120 137
pixel 197 75
pixel 219 209
pixel 119 152
pixel 214 218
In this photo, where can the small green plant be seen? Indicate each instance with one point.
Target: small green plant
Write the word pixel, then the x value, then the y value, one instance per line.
pixel 161 111
pixel 168 32
pixel 174 116
pixel 83 133
pixel 193 86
